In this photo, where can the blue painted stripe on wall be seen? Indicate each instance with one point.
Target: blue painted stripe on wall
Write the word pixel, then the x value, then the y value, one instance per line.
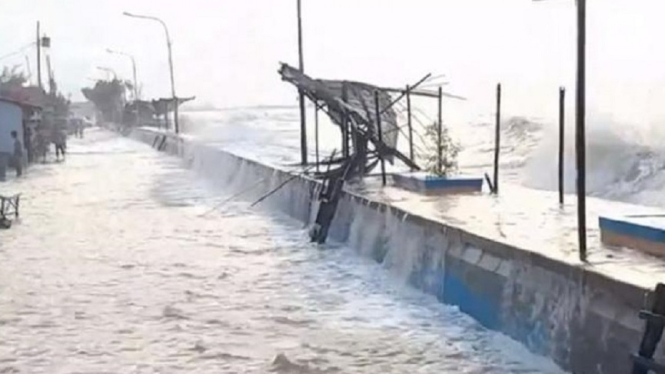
pixel 480 307
pixel 631 229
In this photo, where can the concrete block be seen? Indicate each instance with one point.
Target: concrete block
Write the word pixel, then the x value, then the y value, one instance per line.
pixel 505 268
pixel 433 185
pixel 645 233
pixel 489 262
pixel 456 251
pixel 472 255
pixel 602 306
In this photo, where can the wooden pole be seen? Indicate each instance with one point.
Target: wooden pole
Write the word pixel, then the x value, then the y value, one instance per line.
pixel 345 124
pixel 497 138
pixel 562 120
pixel 316 133
pixel 39 58
pixel 303 120
pixel 378 125
pixel 580 116
pixel 439 134
pixel 402 94
pixel 409 123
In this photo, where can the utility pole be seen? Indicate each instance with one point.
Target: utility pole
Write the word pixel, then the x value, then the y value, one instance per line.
pixel 580 128
pixel 301 95
pixel 580 119
pixel 39 58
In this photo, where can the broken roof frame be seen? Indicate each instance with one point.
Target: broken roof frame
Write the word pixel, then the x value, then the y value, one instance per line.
pixel 350 105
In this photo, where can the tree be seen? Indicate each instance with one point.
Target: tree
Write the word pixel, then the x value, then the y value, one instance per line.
pixel 60 105
pixel 107 97
pixel 12 77
pixel 14 83
pixel 449 151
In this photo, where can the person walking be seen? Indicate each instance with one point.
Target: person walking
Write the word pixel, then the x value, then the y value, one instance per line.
pixel 17 156
pixel 60 141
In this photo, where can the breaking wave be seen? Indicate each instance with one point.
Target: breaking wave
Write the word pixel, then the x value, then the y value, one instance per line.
pixel 624 163
pixel 620 166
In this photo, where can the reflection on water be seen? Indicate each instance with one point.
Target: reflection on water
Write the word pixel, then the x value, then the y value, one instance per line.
pixel 114 269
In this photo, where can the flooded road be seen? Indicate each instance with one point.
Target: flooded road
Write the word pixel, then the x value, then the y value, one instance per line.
pixel 116 268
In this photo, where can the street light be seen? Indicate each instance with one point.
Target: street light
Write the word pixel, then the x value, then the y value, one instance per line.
pixel 301 94
pixel 108 70
pixel 580 118
pixel 168 45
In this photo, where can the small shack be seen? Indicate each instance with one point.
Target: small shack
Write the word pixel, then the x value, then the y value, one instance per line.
pixel 11 119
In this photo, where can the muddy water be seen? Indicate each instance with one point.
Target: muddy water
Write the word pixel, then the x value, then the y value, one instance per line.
pixel 116 268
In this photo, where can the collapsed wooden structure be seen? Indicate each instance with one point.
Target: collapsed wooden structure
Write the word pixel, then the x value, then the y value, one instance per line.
pixel 368 135
pixel 368 123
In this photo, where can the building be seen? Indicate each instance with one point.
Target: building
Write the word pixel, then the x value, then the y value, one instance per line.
pixel 11 119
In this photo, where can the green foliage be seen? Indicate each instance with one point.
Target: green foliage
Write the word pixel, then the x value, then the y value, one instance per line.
pixel 12 77
pixel 60 105
pixel 449 151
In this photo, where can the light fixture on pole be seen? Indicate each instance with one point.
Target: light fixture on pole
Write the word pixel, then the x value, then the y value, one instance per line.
pixel 168 45
pixel 109 71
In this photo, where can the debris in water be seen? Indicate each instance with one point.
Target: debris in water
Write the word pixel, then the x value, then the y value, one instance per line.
pixel 173 312
pixel 281 364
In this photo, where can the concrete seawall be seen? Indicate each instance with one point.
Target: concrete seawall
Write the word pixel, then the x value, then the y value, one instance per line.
pixel 586 322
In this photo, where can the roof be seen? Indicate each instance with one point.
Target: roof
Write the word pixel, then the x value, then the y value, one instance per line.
pixel 30 97
pixel 17 103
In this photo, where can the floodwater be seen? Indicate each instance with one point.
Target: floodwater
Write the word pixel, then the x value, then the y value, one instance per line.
pixel 119 266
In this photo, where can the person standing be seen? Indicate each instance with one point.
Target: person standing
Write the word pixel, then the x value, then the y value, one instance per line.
pixel 17 156
pixel 60 141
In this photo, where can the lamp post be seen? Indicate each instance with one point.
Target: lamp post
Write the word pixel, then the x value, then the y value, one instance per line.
pixel 580 118
pixel 168 45
pixel 580 125
pixel 301 94
pixel 108 70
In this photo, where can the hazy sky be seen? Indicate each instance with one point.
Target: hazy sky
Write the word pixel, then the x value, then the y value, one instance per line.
pixel 227 51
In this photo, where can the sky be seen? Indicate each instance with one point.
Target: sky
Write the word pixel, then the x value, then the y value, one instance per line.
pixel 227 52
